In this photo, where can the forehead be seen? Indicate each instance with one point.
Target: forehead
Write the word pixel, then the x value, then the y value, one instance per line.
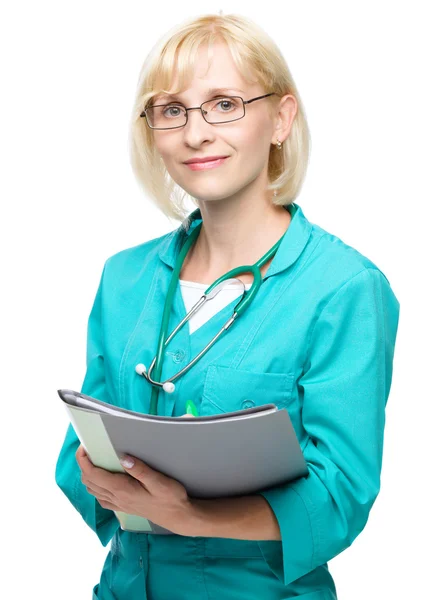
pixel 214 72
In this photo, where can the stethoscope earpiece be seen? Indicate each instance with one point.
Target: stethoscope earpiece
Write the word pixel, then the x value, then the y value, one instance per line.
pixel 167 386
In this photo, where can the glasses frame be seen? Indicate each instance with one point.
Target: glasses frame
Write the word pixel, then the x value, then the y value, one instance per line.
pixel 143 113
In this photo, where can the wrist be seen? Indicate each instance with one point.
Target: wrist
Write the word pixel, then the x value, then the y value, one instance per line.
pixel 191 524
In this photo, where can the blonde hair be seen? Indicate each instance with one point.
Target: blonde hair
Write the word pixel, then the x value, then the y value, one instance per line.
pixel 253 51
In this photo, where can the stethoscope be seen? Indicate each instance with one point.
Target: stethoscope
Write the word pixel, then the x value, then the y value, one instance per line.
pixel 210 292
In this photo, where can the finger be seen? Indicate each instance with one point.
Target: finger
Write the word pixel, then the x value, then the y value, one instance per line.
pixel 108 481
pixel 98 491
pixel 94 487
pixel 82 456
pixel 80 452
pixel 106 504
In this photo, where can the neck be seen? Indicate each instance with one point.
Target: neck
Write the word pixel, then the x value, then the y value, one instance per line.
pixel 233 235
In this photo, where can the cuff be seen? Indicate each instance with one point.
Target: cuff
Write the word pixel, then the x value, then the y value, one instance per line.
pixel 101 520
pixel 294 556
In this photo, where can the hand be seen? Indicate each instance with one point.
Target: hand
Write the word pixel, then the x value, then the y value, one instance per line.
pixel 142 491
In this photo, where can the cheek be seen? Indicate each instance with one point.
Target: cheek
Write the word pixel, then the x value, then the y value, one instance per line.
pixel 164 148
pixel 255 151
pixel 166 144
pixel 168 156
pixel 255 139
pixel 246 139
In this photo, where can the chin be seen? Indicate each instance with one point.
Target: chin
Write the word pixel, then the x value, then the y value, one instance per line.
pixel 209 195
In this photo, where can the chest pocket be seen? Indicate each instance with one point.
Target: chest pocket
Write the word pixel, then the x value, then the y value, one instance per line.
pixel 227 389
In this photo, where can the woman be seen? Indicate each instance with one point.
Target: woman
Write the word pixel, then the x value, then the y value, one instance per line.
pixel 318 340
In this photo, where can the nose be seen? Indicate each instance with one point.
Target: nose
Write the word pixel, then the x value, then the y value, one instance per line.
pixel 196 127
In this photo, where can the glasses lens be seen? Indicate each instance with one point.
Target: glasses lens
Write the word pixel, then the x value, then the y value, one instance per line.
pixel 219 110
pixel 166 116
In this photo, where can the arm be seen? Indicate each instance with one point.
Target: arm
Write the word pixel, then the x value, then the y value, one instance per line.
pixel 240 518
pixel 345 385
pixel 68 474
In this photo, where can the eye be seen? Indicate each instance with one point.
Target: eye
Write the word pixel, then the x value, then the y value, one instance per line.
pixel 173 108
pixel 228 102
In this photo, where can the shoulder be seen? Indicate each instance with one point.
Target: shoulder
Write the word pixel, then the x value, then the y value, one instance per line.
pixel 344 285
pixel 136 259
pixel 335 262
pixel 333 271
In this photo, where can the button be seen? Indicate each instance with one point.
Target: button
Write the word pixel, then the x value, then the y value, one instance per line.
pixel 248 403
pixel 177 356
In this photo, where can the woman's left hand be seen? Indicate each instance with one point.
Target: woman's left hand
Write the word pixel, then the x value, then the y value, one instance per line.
pixel 142 491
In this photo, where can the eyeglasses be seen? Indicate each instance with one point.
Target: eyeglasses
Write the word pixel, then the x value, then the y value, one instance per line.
pixel 174 114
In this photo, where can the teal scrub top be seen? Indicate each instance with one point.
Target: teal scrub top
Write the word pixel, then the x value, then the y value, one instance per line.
pixel 318 340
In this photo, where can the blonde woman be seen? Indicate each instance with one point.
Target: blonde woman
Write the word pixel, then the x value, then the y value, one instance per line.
pixel 218 118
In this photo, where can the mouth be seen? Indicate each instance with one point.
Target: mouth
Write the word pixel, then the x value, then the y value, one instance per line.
pixel 210 164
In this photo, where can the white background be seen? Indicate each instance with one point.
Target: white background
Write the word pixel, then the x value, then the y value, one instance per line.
pixel 367 76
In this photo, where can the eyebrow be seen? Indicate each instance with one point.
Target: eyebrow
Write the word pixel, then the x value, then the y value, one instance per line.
pixel 209 92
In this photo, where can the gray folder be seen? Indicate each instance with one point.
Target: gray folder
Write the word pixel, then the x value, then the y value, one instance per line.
pixel 229 454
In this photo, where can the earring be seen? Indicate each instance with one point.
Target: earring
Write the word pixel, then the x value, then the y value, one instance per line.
pixel 278 148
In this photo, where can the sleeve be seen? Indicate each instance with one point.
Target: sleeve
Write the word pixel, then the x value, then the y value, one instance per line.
pixel 345 385
pixel 67 473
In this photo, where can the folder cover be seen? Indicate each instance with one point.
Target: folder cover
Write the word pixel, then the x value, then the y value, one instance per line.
pixel 229 454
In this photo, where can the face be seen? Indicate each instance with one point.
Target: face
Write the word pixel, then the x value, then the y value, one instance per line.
pixel 246 142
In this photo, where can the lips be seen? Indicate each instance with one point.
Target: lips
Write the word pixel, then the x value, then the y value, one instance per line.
pixel 208 165
pixel 203 160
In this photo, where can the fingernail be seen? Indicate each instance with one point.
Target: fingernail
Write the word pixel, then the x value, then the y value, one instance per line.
pixel 127 462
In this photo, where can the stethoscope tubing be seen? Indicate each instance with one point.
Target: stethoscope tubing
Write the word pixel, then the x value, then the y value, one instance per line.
pixel 209 293
pixel 200 354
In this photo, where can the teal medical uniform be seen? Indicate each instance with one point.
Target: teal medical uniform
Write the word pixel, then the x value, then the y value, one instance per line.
pixel 318 341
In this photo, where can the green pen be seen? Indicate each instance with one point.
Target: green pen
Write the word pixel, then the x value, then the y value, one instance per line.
pixel 191 408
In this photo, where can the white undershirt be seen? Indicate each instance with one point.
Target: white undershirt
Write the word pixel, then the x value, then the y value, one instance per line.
pixel 192 291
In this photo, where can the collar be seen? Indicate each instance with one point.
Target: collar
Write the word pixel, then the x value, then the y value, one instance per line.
pixel 292 245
